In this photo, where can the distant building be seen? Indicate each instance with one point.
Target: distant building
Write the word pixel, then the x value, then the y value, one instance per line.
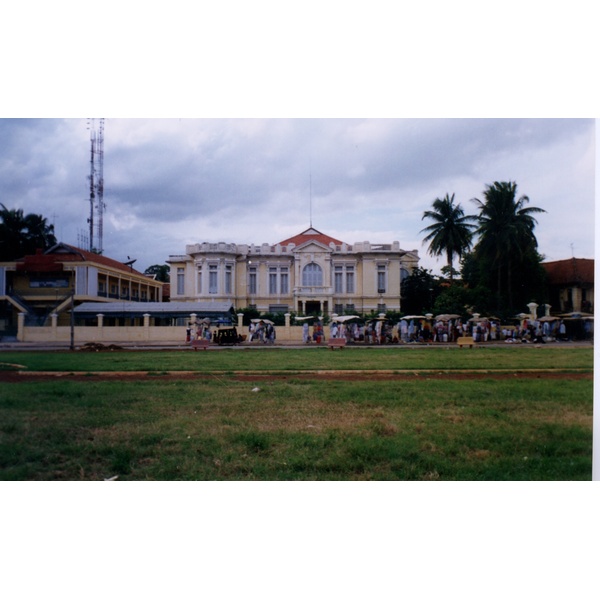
pixel 42 284
pixel 571 285
pixel 309 273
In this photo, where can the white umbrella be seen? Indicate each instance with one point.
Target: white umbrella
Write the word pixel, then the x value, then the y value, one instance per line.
pixel 344 318
pixel 262 320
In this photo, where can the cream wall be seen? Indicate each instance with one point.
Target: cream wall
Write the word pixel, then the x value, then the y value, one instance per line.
pixel 132 335
pixel 364 256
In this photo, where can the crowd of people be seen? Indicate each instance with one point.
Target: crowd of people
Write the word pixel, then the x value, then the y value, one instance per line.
pixel 407 331
pixel 419 330
pixel 262 331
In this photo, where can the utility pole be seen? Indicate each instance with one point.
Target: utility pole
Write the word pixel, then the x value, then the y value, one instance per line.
pixel 72 347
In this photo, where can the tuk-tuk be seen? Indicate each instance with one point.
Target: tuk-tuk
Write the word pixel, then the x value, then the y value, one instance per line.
pixel 225 336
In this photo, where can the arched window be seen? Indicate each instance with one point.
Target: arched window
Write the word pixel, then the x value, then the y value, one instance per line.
pixel 312 275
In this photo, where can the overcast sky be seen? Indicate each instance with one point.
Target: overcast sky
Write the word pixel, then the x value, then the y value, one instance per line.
pixel 171 182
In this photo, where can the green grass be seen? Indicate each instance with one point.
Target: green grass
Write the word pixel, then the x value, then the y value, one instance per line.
pixel 517 357
pixel 216 428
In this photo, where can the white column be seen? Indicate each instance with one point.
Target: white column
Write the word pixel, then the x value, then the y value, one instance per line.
pixel 146 326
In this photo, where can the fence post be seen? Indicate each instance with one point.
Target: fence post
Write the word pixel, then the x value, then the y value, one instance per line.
pixel 100 317
pixel 21 327
pixel 288 330
pixel 54 324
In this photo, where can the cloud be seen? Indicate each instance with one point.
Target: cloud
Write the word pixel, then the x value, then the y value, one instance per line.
pixel 169 182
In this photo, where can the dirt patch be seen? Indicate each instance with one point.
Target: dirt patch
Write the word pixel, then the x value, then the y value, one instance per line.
pixel 21 376
pixel 414 376
pixel 97 347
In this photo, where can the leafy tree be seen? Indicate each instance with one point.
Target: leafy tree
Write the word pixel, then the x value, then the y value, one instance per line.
pixel 419 291
pixel 476 275
pixel 449 272
pixel 21 234
pixel 451 233
pixel 453 300
pixel 160 272
pixel 249 313
pixel 507 243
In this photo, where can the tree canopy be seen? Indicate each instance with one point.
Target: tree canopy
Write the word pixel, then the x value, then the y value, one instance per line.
pixel 419 291
pixel 160 272
pixel 503 270
pixel 507 245
pixel 22 234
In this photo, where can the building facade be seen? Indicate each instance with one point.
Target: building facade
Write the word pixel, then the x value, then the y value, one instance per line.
pixel 46 283
pixel 571 284
pixel 310 273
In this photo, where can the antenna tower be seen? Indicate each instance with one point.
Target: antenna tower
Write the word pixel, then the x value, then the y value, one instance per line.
pixel 96 178
pixel 310 197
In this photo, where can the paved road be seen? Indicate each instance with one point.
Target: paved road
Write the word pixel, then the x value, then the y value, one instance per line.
pixel 46 347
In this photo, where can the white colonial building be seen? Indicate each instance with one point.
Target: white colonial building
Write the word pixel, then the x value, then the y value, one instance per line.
pixel 310 273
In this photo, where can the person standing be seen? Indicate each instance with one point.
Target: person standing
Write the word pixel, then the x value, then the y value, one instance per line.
pixel 334 330
pixel 562 331
pixel 411 331
pixel 269 334
pixel 261 331
pixel 403 326
pixel 305 333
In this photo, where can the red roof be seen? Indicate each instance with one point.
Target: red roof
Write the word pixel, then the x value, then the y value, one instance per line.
pixel 570 271
pixel 39 263
pixel 311 235
pixel 52 260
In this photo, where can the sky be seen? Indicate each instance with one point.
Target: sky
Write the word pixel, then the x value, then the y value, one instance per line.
pixel 172 182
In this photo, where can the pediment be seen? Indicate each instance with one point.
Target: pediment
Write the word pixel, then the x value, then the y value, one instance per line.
pixel 312 246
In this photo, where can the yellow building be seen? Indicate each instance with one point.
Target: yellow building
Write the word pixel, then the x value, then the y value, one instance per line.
pixel 309 273
pixel 45 283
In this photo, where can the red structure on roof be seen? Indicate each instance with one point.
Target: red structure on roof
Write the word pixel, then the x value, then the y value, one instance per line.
pixel 311 234
pixel 52 260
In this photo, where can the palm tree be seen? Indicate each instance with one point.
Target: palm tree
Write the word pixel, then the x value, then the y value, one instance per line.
pixel 452 231
pixel 12 232
pixel 22 234
pixel 39 233
pixel 506 230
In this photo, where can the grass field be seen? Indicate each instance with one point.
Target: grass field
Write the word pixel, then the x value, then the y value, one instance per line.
pixel 217 426
pixel 518 358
